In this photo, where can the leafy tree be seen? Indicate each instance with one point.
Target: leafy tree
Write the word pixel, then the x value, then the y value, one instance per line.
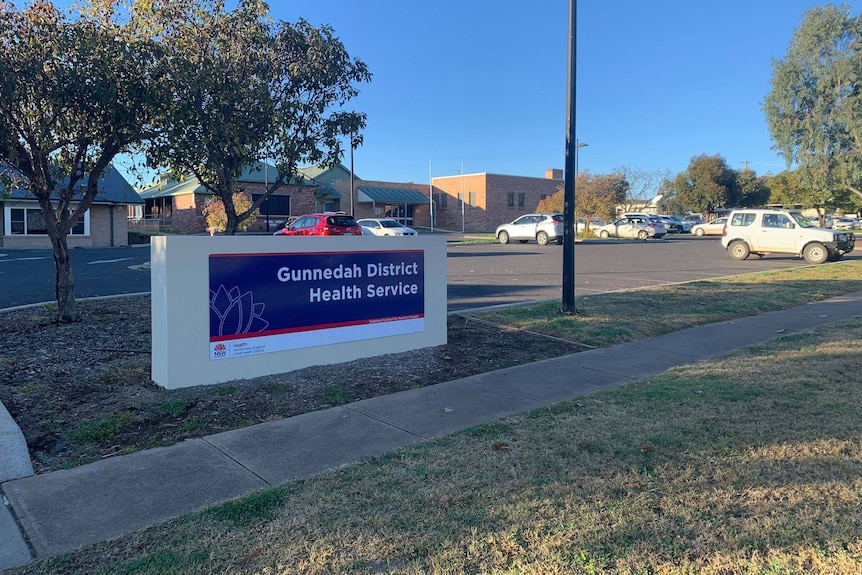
pixel 74 93
pixel 217 217
pixel 248 89
pixel 750 190
pixel 708 183
pixel 554 202
pixel 599 196
pixel 596 196
pixel 814 107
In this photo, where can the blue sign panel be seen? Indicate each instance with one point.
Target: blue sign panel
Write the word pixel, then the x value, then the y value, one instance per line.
pixel 261 303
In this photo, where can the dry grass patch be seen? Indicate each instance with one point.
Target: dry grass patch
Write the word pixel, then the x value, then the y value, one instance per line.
pixel 749 464
pixel 612 318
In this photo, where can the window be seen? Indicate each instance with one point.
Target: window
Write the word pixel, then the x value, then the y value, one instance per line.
pixel 472 198
pixel 31 222
pixel 273 205
pixel 460 199
pixel 442 201
pixel 521 197
pixel 510 200
pixel 743 219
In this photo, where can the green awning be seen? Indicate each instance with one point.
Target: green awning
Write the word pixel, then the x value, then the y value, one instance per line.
pixel 368 194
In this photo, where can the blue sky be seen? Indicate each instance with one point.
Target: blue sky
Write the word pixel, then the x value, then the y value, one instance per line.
pixel 484 83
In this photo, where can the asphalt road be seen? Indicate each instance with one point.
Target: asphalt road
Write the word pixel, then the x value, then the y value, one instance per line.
pixel 478 275
pixel 484 275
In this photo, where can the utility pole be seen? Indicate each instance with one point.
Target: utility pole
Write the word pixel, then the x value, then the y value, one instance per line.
pixel 569 225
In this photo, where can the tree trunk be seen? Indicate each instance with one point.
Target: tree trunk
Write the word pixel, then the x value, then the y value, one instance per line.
pixel 64 283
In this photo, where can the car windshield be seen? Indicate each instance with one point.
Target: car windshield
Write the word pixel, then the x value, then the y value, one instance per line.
pixel 803 223
pixel 390 224
pixel 558 217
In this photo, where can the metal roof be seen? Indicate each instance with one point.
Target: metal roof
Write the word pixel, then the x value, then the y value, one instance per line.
pixel 260 173
pixel 113 189
pixel 369 194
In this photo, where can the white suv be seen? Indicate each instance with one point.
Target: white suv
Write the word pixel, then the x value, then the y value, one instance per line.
pixel 773 231
pixel 543 228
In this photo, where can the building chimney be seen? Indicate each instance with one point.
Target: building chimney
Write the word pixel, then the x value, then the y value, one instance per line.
pixel 553 174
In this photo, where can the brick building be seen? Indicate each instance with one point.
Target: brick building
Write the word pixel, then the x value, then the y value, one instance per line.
pixel 103 225
pixel 178 205
pixel 489 199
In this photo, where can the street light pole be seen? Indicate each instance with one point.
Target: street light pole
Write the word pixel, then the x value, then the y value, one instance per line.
pixel 569 225
pixel 352 147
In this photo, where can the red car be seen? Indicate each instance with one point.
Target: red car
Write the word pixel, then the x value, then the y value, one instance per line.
pixel 323 224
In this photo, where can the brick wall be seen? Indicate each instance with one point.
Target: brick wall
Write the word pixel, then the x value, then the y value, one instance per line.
pixel 100 226
pixel 491 207
pixel 100 231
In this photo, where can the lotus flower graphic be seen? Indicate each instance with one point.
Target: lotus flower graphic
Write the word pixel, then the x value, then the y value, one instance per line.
pixel 234 313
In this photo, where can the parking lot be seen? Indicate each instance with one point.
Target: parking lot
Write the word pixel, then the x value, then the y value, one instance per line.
pixel 478 275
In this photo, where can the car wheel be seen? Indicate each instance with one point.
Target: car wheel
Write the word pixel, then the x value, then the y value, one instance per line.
pixel 604 234
pixel 503 238
pixel 559 241
pixel 815 253
pixel 699 232
pixel 738 250
pixel 542 238
pixel 643 235
pixel 834 257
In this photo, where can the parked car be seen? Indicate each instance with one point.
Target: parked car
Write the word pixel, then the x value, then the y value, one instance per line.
pixel 594 224
pixel 685 226
pixel 386 227
pixel 828 221
pixel 639 227
pixel 713 228
pixel 673 226
pixel 322 224
pixel 654 218
pixel 542 228
pixel 847 223
pixel 771 231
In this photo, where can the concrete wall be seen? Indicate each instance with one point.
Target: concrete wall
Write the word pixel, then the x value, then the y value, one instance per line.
pixel 181 312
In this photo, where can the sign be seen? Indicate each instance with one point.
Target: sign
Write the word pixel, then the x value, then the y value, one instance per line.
pixel 262 303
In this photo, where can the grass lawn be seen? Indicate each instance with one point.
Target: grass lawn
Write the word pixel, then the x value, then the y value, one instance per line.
pixel 748 464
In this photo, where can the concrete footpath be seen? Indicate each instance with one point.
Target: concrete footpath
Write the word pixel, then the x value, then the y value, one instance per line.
pixel 64 510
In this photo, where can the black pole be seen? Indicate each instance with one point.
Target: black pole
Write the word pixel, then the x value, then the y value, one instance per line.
pixel 570 173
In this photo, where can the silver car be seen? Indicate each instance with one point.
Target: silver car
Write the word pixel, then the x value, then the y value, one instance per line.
pixel 847 223
pixel 639 227
pixel 542 228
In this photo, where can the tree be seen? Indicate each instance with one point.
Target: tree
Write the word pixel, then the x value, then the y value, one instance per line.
pixel 595 196
pixel 247 89
pixel 599 196
pixel 708 183
pixel 74 93
pixel 553 203
pixel 217 217
pixel 750 190
pixel 814 106
pixel 644 186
